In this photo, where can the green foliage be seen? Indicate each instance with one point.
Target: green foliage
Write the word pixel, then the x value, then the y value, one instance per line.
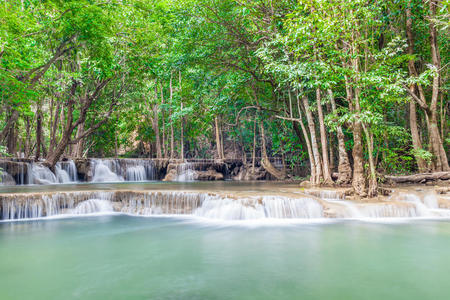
pixel 196 61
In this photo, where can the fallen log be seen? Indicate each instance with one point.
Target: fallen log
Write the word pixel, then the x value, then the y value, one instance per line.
pixel 420 178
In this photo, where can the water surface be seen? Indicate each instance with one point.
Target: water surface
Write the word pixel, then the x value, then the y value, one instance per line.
pixel 123 257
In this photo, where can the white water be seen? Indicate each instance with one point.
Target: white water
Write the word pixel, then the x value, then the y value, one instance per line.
pixel 117 170
pixel 103 171
pixel 136 173
pixel 259 208
pixel 40 174
pixel 185 172
pixel 66 171
pixel 93 206
pixel 207 206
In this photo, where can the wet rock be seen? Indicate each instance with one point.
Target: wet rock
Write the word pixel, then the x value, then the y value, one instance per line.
pixel 83 168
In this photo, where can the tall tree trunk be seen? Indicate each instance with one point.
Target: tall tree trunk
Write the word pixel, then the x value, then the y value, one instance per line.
pixel 417 143
pixel 164 148
pixel 435 138
pixel 323 139
pixel 38 134
pixel 314 145
pixel 78 147
pixel 218 141
pixel 265 162
pixel 28 138
pixel 172 137
pixel 359 181
pixel 54 127
pixel 373 183
pixel 155 124
pixel 182 118
pixel 307 140
pixel 344 167
pixel 12 140
pixel 254 146
pixel 182 135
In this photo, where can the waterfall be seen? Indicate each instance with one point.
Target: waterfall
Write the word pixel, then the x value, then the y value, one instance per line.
pixel 61 174
pixel 136 174
pixel 158 203
pixel 114 170
pixel 68 170
pixel 105 171
pixel 259 208
pixel 40 174
pixel 185 172
pixel 215 206
pixel 93 206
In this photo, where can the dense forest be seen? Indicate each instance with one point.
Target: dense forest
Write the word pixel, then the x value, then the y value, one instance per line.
pixel 348 90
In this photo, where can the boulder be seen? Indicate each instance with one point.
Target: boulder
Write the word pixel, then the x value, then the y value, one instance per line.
pixel 171 175
pixel 208 175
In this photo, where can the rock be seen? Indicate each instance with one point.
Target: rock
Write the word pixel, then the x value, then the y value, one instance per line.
pixel 305 183
pixel 442 190
pixel 208 175
pixel 83 168
pixel 171 175
pixel 14 168
pixel 384 191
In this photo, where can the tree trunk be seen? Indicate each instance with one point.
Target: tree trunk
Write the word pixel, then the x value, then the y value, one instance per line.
pixel 78 147
pixel 373 183
pixel 172 137
pixel 155 124
pixel 359 181
pixel 164 150
pixel 323 139
pixel 435 138
pixel 315 148
pixel 307 140
pixel 254 146
pixel 344 167
pixel 417 143
pixel 218 142
pixel 38 134
pixel 265 162
pixel 182 135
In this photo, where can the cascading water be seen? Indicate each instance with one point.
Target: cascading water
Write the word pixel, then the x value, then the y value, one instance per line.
pixel 66 171
pixel 136 173
pixel 114 170
pixel 93 206
pixel 259 208
pixel 61 175
pixel 103 171
pixel 40 174
pixel 185 172
pixel 215 206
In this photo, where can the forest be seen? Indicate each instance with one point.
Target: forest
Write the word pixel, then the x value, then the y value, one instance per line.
pixel 350 91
